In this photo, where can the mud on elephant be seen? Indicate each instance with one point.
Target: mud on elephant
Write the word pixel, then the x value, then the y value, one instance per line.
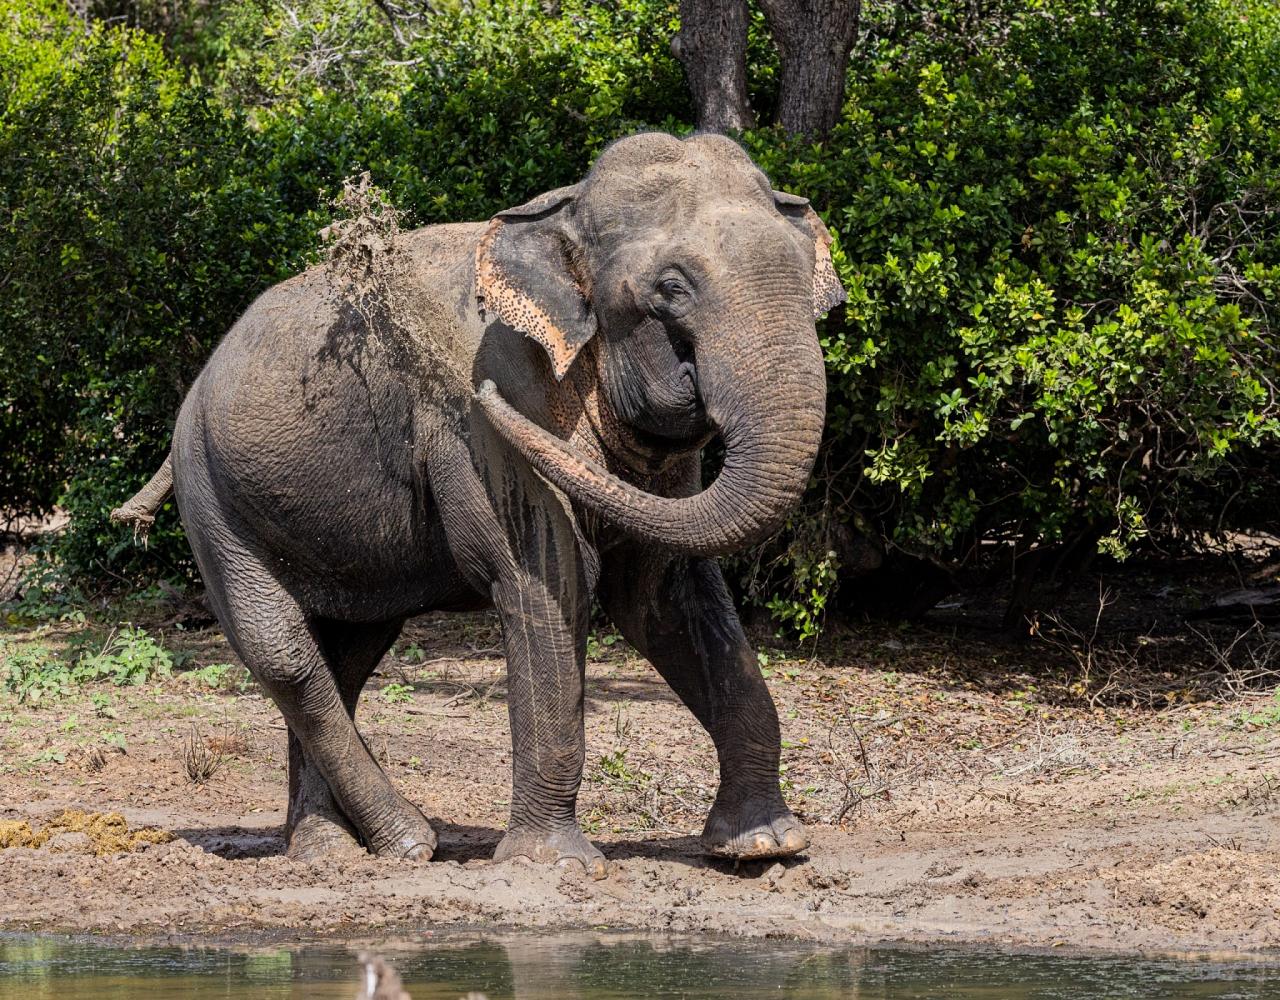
pixel 514 420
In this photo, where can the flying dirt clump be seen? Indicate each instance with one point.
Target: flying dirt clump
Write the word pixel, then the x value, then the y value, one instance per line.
pixel 103 833
pixel 360 245
pixel 368 269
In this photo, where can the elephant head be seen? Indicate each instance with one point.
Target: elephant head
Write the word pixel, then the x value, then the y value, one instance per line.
pixel 700 285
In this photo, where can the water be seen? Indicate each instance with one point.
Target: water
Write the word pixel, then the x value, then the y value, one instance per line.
pixel 592 967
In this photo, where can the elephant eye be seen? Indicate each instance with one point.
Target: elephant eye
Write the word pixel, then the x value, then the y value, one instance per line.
pixel 672 288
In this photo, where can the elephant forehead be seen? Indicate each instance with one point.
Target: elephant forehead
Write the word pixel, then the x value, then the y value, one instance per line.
pixel 668 198
pixel 625 204
pixel 657 180
pixel 729 229
pixel 646 150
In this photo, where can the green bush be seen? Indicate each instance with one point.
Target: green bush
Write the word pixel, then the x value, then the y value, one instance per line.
pixel 501 103
pixel 1062 250
pixel 1057 226
pixel 127 657
pixel 134 227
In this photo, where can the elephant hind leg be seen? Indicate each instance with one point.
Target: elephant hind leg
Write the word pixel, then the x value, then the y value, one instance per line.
pixel 316 826
pixel 284 650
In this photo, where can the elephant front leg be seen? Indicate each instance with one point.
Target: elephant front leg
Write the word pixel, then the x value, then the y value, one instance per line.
pixel 678 613
pixel 545 639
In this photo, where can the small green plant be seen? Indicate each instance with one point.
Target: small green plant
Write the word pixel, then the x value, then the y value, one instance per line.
pixel 812 582
pixel 44 595
pixel 597 644
pixel 614 769
pixel 212 675
pixel 763 658
pixel 1264 718
pixel 397 694
pixel 102 706
pixel 180 658
pixel 128 657
pixel 33 673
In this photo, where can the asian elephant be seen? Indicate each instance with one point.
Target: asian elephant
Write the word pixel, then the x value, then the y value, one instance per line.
pixel 517 423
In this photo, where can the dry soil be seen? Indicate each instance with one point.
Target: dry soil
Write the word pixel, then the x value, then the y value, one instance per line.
pixel 951 791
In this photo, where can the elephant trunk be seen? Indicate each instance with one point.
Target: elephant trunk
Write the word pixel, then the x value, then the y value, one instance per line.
pixel 766 392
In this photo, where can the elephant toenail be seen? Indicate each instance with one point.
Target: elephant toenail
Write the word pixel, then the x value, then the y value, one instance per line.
pixel 595 868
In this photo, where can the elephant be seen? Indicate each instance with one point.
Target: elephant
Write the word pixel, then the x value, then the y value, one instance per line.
pixel 514 420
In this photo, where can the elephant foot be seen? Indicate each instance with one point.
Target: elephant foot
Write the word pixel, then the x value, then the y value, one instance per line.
pixel 409 837
pixel 559 847
pixel 754 827
pixel 318 835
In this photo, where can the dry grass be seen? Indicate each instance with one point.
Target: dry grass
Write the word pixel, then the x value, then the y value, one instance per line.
pixel 1149 671
pixel 103 833
pixel 228 744
pixel 95 759
pixel 200 762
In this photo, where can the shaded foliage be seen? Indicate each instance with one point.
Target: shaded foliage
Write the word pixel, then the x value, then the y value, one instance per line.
pixel 1056 222
pixel 1062 249
pixel 131 235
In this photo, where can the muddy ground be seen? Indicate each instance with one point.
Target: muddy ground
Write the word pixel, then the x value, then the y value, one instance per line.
pixel 1112 791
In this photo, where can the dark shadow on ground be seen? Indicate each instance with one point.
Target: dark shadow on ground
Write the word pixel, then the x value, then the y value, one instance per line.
pixel 236 843
pixel 462 842
pixel 1146 633
pixel 688 851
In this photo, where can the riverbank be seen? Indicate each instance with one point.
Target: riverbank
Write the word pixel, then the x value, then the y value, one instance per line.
pixel 953 787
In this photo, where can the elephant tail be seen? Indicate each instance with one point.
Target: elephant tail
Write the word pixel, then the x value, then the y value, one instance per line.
pixel 140 509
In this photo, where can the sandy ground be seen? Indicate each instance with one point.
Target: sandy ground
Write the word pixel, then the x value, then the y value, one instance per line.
pixel 951 795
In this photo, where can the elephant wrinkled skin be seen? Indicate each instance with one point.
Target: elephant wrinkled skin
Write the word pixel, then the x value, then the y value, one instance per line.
pixel 514 420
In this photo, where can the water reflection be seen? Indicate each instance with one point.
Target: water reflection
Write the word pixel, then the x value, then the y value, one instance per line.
pixel 597 967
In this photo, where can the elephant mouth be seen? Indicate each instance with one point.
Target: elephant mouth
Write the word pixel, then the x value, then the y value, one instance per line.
pixel 649 435
pixel 676 416
pixel 675 440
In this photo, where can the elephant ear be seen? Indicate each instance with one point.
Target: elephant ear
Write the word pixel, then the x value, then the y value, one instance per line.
pixel 828 292
pixel 529 274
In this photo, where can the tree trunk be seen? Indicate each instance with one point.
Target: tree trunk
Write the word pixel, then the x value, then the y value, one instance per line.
pixel 814 38
pixel 712 47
